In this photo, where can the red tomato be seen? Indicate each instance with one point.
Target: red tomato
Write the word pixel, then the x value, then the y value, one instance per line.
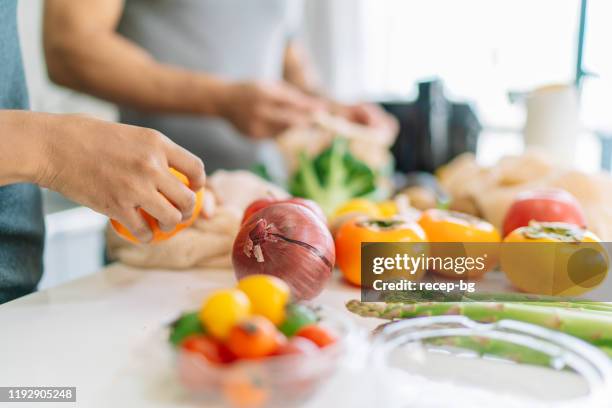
pixel 544 205
pixel 298 345
pixel 265 202
pixel 317 334
pixel 209 348
pixel 254 338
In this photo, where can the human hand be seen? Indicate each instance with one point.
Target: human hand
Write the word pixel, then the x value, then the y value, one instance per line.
pixel 370 115
pixel 266 109
pixel 117 169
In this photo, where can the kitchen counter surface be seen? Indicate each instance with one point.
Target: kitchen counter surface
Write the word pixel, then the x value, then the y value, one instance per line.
pixel 92 333
pixel 104 334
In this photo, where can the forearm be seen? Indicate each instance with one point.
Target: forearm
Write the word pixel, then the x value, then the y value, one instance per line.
pixel 22 146
pixel 84 52
pixel 111 68
pixel 64 152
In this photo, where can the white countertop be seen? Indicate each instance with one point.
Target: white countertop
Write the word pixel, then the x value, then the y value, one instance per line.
pixel 103 334
pixel 88 333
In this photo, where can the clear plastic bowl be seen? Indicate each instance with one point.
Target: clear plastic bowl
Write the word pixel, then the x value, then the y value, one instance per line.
pixel 277 381
pixel 436 361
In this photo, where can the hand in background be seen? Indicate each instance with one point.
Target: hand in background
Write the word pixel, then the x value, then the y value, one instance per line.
pixel 262 109
pixel 370 115
pixel 117 169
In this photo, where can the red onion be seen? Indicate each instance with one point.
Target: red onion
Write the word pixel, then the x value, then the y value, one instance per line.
pixel 265 202
pixel 290 242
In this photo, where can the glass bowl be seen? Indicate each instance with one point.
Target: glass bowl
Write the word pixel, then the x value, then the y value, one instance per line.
pixel 276 381
pixel 454 361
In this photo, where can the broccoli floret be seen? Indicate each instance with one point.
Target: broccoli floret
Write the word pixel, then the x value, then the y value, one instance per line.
pixel 333 177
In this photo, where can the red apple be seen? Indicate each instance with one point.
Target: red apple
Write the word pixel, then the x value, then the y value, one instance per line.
pixel 544 205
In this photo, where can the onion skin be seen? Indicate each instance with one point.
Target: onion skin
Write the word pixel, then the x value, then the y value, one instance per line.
pixel 287 241
pixel 265 202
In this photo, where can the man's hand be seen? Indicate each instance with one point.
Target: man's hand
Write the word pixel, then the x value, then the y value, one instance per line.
pixel 261 109
pixel 114 169
pixel 299 72
pixel 370 115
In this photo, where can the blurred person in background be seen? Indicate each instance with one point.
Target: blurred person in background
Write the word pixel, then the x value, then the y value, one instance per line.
pixel 114 169
pixel 215 76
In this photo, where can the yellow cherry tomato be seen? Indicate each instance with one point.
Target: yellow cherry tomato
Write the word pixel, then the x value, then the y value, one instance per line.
pixel 554 259
pixel 223 309
pixel 359 206
pixel 268 295
pixel 388 208
pixel 355 231
pixel 461 235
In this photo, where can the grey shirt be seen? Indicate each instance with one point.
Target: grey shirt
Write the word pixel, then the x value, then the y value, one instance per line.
pixel 239 39
pixel 21 221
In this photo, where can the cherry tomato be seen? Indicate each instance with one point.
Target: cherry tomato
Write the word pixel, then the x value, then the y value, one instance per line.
pixel 254 338
pixel 388 208
pixel 545 205
pixel 205 346
pixel 554 259
pixel 223 309
pixel 268 295
pixel 359 206
pixel 298 345
pixel 265 202
pixel 319 335
pixel 298 316
pixel 461 235
pixel 357 230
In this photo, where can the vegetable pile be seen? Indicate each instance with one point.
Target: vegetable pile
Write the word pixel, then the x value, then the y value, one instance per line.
pixel 546 258
pixel 434 225
pixel 253 321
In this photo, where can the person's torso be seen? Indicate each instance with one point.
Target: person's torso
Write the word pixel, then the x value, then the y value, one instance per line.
pixel 237 39
pixel 21 222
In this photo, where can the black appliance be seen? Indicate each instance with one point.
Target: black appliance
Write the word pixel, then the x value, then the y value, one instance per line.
pixel 433 130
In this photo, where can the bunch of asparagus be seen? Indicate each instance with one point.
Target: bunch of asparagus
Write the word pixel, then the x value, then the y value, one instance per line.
pixel 587 320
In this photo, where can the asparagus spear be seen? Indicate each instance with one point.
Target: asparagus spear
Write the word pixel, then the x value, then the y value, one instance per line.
pixel 534 300
pixel 433 295
pixel 593 307
pixel 592 327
